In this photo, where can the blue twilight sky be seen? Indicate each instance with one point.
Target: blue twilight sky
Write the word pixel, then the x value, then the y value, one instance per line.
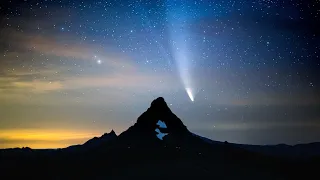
pixel 71 70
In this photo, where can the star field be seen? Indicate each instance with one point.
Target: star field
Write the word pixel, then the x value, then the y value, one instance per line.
pixel 86 67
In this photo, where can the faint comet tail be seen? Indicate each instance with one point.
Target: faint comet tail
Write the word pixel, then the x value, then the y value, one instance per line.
pixel 180 41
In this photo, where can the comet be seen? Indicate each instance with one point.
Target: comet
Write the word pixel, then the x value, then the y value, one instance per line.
pixel 180 41
pixel 189 92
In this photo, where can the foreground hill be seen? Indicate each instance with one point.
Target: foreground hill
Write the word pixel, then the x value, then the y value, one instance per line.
pixel 141 152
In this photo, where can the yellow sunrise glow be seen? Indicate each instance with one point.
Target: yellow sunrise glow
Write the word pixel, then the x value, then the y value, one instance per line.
pixel 36 138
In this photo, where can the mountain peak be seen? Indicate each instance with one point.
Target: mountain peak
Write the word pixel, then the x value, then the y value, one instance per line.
pixel 159 104
pixel 112 133
pixel 159 110
pixel 108 135
pixel 96 141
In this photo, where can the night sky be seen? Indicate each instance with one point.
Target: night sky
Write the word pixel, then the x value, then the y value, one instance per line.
pixel 71 70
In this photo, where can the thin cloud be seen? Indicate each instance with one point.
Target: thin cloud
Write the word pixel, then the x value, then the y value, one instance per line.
pixel 68 48
pixel 259 125
pixel 122 80
pixel 20 84
pixel 15 81
pixel 279 99
pixel 21 80
pixel 39 86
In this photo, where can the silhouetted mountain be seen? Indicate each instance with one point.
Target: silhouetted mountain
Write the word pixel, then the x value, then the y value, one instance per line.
pixel 138 152
pixel 291 151
pixel 281 150
pixel 93 143
pixel 158 110
pixel 143 131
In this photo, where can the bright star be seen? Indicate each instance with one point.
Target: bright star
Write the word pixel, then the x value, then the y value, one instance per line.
pixel 99 61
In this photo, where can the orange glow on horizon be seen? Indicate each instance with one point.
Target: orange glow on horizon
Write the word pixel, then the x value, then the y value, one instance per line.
pixel 42 139
pixel 41 145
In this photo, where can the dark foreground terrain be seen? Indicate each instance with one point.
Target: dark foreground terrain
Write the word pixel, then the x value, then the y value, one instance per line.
pixel 139 153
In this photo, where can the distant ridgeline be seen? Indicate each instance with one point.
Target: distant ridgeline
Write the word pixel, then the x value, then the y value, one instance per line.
pixel 162 125
pixel 159 146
